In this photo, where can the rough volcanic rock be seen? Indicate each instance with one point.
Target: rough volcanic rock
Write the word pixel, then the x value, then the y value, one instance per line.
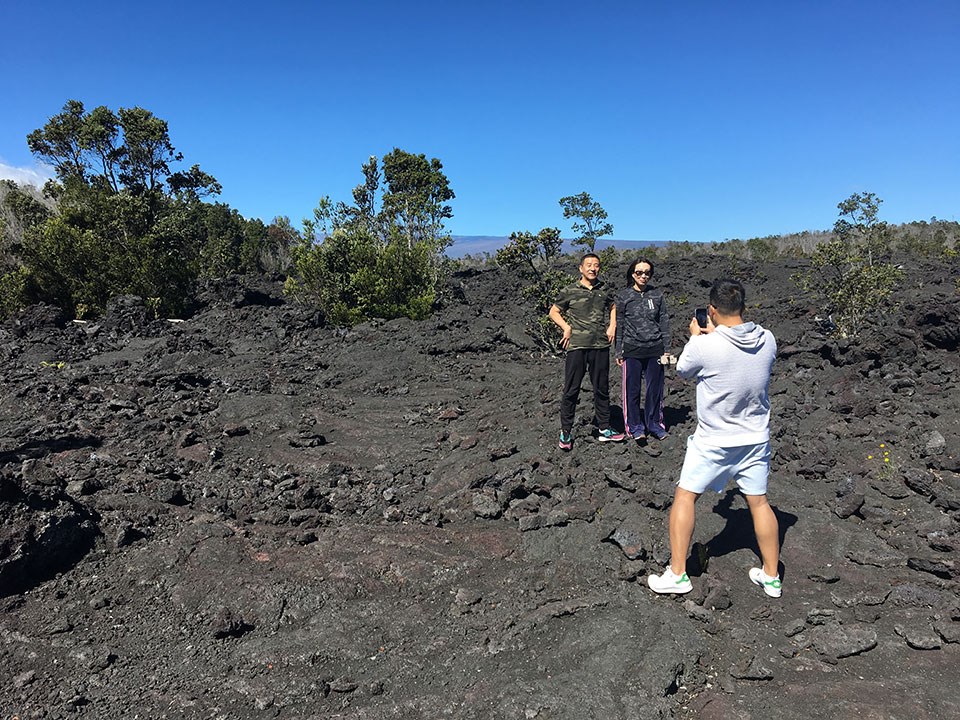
pixel 243 513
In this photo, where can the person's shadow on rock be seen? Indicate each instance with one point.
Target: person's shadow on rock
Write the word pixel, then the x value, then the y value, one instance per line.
pixel 616 418
pixel 674 416
pixel 737 534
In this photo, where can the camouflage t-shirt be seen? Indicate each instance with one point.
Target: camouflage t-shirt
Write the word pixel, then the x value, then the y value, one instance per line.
pixel 586 310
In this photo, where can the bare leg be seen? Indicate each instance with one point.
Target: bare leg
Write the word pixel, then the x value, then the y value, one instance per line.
pixel 768 532
pixel 682 520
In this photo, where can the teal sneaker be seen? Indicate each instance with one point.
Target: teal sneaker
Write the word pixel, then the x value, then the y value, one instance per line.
pixel 669 583
pixel 771 585
pixel 610 435
pixel 566 440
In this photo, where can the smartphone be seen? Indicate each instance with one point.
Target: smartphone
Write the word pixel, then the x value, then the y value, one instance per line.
pixel 701 315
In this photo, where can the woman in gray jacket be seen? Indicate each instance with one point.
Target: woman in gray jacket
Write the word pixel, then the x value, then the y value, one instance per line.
pixel 642 341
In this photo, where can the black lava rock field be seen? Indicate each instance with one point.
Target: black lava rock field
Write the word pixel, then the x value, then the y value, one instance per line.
pixel 246 514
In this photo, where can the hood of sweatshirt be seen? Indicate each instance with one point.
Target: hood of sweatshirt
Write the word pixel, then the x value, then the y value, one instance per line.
pixel 747 336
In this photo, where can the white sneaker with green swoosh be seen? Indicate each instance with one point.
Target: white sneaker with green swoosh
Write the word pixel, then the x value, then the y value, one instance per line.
pixel 770 585
pixel 670 583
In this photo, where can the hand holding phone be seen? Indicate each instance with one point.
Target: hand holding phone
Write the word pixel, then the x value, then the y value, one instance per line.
pixel 701 315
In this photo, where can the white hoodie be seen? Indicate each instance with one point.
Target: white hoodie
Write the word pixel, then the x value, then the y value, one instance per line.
pixel 732 368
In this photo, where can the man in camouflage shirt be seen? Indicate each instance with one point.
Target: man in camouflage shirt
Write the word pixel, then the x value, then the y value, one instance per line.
pixel 580 311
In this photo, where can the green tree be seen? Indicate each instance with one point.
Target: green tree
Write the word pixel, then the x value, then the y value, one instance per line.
pixel 591 219
pixel 382 256
pixel 126 222
pixel 60 142
pixel 858 224
pixel 125 151
pixel 225 234
pixel 264 249
pixel 20 211
pixel 416 197
pixel 846 278
pixel 534 259
pixel 363 213
pixel 270 249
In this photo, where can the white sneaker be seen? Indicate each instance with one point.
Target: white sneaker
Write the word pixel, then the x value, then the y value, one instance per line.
pixel 771 585
pixel 670 583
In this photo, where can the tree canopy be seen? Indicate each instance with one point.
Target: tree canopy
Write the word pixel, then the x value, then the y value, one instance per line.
pixel 382 256
pixel 128 150
pixel 846 275
pixel 592 219
pixel 125 219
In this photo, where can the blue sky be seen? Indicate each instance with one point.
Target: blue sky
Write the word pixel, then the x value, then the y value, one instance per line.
pixel 692 121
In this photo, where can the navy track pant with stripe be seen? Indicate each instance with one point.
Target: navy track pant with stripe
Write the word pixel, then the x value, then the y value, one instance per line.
pixel 645 418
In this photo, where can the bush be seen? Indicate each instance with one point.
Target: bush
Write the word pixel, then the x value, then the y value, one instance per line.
pixel 382 259
pixel 846 275
pixel 761 249
pixel 122 222
pixel 13 291
pixel 935 239
pixel 76 267
pixel 850 288
pixel 533 258
pixel 232 244
pixel 676 250
pixel 20 210
pixel 351 276
pixel 268 248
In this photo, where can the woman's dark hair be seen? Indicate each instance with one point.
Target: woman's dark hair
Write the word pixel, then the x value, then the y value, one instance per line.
pixel 633 266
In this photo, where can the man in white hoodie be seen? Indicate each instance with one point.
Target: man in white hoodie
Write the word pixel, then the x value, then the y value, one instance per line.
pixel 731 362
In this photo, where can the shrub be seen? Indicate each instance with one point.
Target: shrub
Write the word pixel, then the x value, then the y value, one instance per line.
pixel 934 239
pixel 13 291
pixel 125 222
pixel 533 258
pixel 382 259
pixel 351 276
pixel 846 274
pixel 761 248
pixel 676 250
pixel 72 266
pixel 850 288
pixel 268 248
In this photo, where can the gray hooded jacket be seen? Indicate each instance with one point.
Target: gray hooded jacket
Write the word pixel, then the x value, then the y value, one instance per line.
pixel 732 369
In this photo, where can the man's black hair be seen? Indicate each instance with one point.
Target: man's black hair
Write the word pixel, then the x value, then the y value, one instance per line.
pixel 589 255
pixel 728 297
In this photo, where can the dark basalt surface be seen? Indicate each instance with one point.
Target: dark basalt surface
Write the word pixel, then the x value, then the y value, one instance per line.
pixel 246 514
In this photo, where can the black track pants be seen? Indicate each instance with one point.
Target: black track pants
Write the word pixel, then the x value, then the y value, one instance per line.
pixel 578 362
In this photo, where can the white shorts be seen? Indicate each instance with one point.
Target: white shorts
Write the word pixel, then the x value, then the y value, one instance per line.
pixel 706 467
